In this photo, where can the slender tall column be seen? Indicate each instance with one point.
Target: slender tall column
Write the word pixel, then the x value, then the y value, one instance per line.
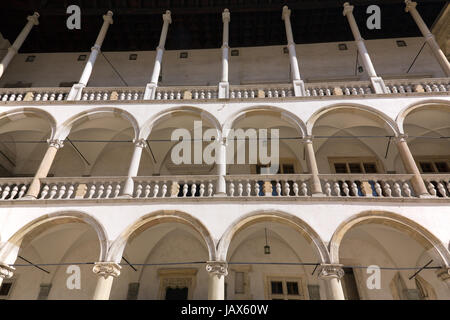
pixel 12 51
pixel 316 187
pixel 411 167
pixel 444 275
pixel 299 86
pixel 224 86
pixel 134 167
pixel 107 271
pixel 150 90
pixel 332 274
pixel 44 168
pixel 377 82
pixel 6 272
pixel 221 158
pixel 217 270
pixel 429 37
pixel 75 92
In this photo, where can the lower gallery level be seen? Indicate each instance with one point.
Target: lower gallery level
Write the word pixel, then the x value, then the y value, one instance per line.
pixel 313 249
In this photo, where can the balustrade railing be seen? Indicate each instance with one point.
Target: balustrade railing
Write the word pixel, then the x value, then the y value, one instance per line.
pixel 13 188
pixel 289 185
pixel 33 94
pixel 281 185
pixel 111 94
pixel 351 88
pixel 175 187
pixel 377 185
pixel 431 85
pixel 81 188
pixel 438 185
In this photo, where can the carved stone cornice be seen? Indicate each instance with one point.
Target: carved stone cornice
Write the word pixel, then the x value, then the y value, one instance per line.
pixel 58 144
pixel 107 269
pixel 328 271
pixel 217 268
pixel 6 271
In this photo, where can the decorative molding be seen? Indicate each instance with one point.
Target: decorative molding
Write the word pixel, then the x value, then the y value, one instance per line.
pixel 107 269
pixel 6 271
pixel 217 268
pixel 443 273
pixel 58 144
pixel 329 271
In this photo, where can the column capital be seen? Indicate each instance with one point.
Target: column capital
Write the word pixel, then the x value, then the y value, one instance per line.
pixel 286 13
pixel 328 271
pixel 6 271
pixel 226 17
pixel 167 17
pixel 410 5
pixel 34 18
pixel 58 144
pixel 141 143
pixel 443 273
pixel 218 268
pixel 307 139
pixel 108 17
pixel 96 47
pixel 107 269
pixel 347 8
pixel 401 137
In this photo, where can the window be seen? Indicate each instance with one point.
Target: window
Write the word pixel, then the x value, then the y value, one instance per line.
pixel 285 288
pixel 354 165
pixel 349 285
pixel 133 291
pixel 176 284
pixel 5 289
pixel 434 165
pixel 44 291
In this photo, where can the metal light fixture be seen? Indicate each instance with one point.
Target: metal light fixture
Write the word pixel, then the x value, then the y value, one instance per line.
pixel 266 247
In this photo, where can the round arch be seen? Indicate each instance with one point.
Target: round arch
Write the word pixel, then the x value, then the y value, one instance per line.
pixel 285 115
pixel 64 130
pixel 12 245
pixel 156 119
pixel 391 124
pixel 396 221
pixel 274 216
pixel 159 217
pixel 17 113
pixel 423 104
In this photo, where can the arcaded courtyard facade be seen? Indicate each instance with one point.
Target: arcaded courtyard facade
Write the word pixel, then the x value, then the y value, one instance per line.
pixel 87 177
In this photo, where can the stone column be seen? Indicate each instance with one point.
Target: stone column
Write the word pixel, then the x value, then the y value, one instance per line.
pixel 332 275
pixel 444 275
pixel 377 82
pixel 299 85
pixel 134 167
pixel 221 158
pixel 6 272
pixel 217 270
pixel 44 168
pixel 150 90
pixel 411 167
pixel 107 271
pixel 316 187
pixel 75 92
pixel 12 51
pixel 429 37
pixel 224 85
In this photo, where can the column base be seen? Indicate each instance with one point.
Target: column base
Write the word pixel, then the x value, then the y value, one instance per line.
pixel 150 91
pixel 426 196
pixel 224 90
pixel 318 195
pixel 75 92
pixel 299 88
pixel 378 85
pixel 220 195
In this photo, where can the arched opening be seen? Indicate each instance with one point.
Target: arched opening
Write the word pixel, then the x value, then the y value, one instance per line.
pixel 163 258
pixel 53 258
pixel 23 141
pixel 97 143
pixel 399 247
pixel 272 256
pixel 428 130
